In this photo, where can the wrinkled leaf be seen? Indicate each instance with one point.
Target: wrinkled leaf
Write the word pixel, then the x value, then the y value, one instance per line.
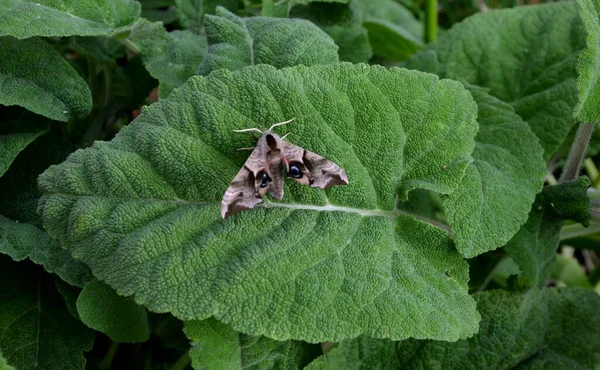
pixel 170 57
pixel 27 18
pixel 343 23
pixel 282 8
pixel 216 346
pixel 542 329
pixel 499 187
pixel 588 64
pixel 102 309
pixel 525 56
pixel 21 241
pixel 569 200
pixel 35 76
pixel 14 137
pixel 359 353
pixel 321 265
pixel 191 12
pixel 236 42
pixel 36 329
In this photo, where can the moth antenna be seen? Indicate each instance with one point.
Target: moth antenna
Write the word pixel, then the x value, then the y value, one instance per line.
pixel 286 135
pixel 281 123
pixel 248 129
pixel 240 149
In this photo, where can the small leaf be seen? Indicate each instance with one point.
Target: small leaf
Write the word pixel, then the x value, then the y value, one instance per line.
pixel 588 65
pixel 120 318
pixel 535 75
pixel 151 213
pixel 170 57
pixel 33 75
pixel 548 328
pixel 14 137
pixel 21 241
pixel 27 18
pixel 499 187
pixel 216 346
pixel 236 42
pixel 569 200
pixel 568 271
pixel 36 329
pixel 191 12
pixel 394 33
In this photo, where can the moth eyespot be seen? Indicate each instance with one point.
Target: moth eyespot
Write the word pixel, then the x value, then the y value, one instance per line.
pixel 295 172
pixel 265 181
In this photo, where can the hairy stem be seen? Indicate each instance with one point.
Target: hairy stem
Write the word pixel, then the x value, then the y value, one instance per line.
pixel 107 360
pixel 577 151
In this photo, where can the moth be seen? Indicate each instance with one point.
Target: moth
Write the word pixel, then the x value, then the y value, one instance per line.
pixel 270 161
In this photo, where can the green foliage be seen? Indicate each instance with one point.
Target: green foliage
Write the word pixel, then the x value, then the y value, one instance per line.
pixel 191 12
pixel 588 65
pixel 15 135
pixel 568 201
pixel 35 76
pixel 527 61
pixel 100 308
pixel 217 346
pixel 36 329
pixel 3 364
pixel 236 42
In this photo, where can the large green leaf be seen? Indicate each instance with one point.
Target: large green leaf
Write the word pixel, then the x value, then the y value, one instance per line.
pixel 525 56
pixel 343 23
pixel 170 57
pixel 236 42
pixel 499 187
pixel 26 18
pixel 543 329
pixel 216 346
pixel 22 241
pixel 36 329
pixel 143 210
pixel 191 12
pixel 120 318
pixel 15 135
pixel 588 65
pixel 35 76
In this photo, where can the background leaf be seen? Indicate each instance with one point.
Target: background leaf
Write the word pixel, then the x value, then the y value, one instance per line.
pixel 120 318
pixel 58 18
pixel 236 42
pixel 588 64
pixel 548 328
pixel 158 220
pixel 191 12
pixel 216 346
pixel 36 329
pixel 499 187
pixel 525 56
pixel 36 77
pixel 3 364
pixel 14 137
pixel 359 353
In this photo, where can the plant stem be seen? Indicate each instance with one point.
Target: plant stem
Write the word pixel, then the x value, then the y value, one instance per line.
pixel 107 360
pixel 592 171
pixel 182 362
pixel 431 20
pixel 577 151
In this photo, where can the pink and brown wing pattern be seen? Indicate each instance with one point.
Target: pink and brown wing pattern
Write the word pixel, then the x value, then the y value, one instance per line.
pixel 312 169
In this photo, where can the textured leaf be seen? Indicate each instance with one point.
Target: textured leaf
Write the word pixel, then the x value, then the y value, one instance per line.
pixel 14 137
pixel 525 56
pixel 317 266
pixel 282 8
pixel 216 346
pixel 543 329
pixel 22 241
pixel 569 201
pixel 191 12
pixel 120 318
pixel 35 76
pixel 170 57
pixel 236 42
pixel 588 64
pixel 394 33
pixel 27 18
pixel 343 23
pixel 359 353
pixel 36 329
pixel 499 187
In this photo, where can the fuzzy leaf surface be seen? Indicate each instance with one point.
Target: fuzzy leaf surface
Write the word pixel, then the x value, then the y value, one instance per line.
pixel 143 211
pixel 499 187
pixel 170 57
pixel 35 76
pixel 359 353
pixel 36 329
pixel 191 12
pixel 588 64
pixel 526 57
pixel 236 42
pixel 27 18
pixel 102 309
pixel 217 346
pixel 542 329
